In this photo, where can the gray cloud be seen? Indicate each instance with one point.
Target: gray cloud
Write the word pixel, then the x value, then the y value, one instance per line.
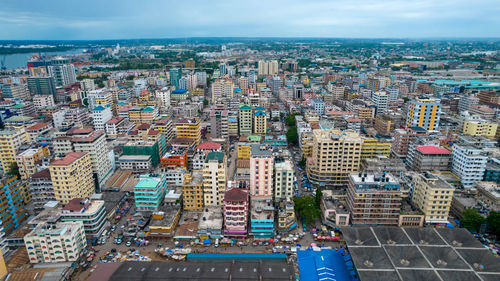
pixel 92 19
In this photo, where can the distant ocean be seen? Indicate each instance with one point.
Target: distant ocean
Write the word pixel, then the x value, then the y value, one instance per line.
pixel 19 60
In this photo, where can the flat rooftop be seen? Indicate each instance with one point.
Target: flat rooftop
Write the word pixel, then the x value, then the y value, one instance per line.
pixel 196 270
pixel 394 253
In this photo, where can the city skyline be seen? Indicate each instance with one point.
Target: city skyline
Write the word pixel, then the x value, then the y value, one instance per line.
pixel 59 20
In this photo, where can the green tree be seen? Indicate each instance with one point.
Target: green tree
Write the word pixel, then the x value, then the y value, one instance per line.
pixel 292 136
pixel 306 209
pixel 319 195
pixel 205 102
pixel 472 219
pixel 302 162
pixel 14 169
pixel 493 220
pixel 290 119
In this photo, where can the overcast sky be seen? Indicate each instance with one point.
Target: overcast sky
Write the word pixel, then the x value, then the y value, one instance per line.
pixel 124 19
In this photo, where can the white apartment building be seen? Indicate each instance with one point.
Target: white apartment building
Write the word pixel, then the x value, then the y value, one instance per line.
pixel 283 180
pixel 90 212
pixel 468 163
pixel 55 242
pixel 41 101
pixel 101 115
pixel 164 96
pixel 380 100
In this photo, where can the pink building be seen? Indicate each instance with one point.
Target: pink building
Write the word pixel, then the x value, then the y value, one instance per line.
pixel 236 213
pixel 261 171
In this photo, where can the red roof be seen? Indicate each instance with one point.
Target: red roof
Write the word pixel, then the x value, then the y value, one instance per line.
pixel 236 194
pixel 430 149
pixel 353 120
pixel 68 159
pixel 153 132
pixel 143 126
pixel 38 126
pixel 209 145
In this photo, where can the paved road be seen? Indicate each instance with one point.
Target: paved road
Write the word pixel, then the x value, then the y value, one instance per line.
pixel 232 162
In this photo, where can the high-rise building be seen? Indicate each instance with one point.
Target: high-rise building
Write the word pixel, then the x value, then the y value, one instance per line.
pixel 259 121
pixel 480 128
pixel 424 113
pixel 403 138
pixel 56 242
pixel 468 162
pixel 374 199
pixel 192 191
pixel 432 195
pixel 192 81
pixel 10 142
pixel 90 212
pixel 243 84
pixel 42 86
pixel 380 100
pixel 164 96
pixel 72 177
pixel 298 91
pixel 214 179
pixel 268 67
pixel 12 211
pixel 318 105
pixel 183 83
pixel 222 88
pixel 373 148
pixel 26 160
pixel 189 128
pixel 62 71
pixel 284 176
pixel 90 141
pixel 101 115
pixel 245 119
pixel 14 91
pixel 219 122
pixel 236 207
pixel 41 189
pixel 150 191
pixel 201 78
pixel 276 84
pixel 466 102
pixel 261 172
pixel 393 93
pixel 335 155
pixel 175 75
pixel 87 85
pixel 222 69
pixel 190 63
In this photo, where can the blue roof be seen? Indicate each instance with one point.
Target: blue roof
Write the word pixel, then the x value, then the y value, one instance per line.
pixel 98 108
pixel 324 265
pixel 179 91
pixel 237 90
pixel 260 113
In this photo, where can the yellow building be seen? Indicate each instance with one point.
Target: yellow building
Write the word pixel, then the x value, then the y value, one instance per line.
pixel 146 114
pixel 190 63
pixel 198 92
pixel 424 113
pixel 10 142
pixel 3 267
pixel 243 150
pixel 192 191
pixel 259 121
pixel 72 177
pixel 432 195
pixel 480 128
pixel 222 88
pixel 335 155
pixel 189 128
pixel 26 160
pixel 373 147
pixel 366 112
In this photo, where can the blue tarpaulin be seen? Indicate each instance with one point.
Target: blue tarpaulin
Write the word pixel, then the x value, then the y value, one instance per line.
pixel 450 225
pixel 324 265
pixel 207 241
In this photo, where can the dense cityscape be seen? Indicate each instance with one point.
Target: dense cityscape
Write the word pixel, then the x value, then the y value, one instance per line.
pixel 250 159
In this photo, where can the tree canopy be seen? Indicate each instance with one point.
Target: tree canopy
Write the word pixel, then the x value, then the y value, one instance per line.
pixel 472 219
pixel 292 136
pixel 306 209
pixel 494 222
